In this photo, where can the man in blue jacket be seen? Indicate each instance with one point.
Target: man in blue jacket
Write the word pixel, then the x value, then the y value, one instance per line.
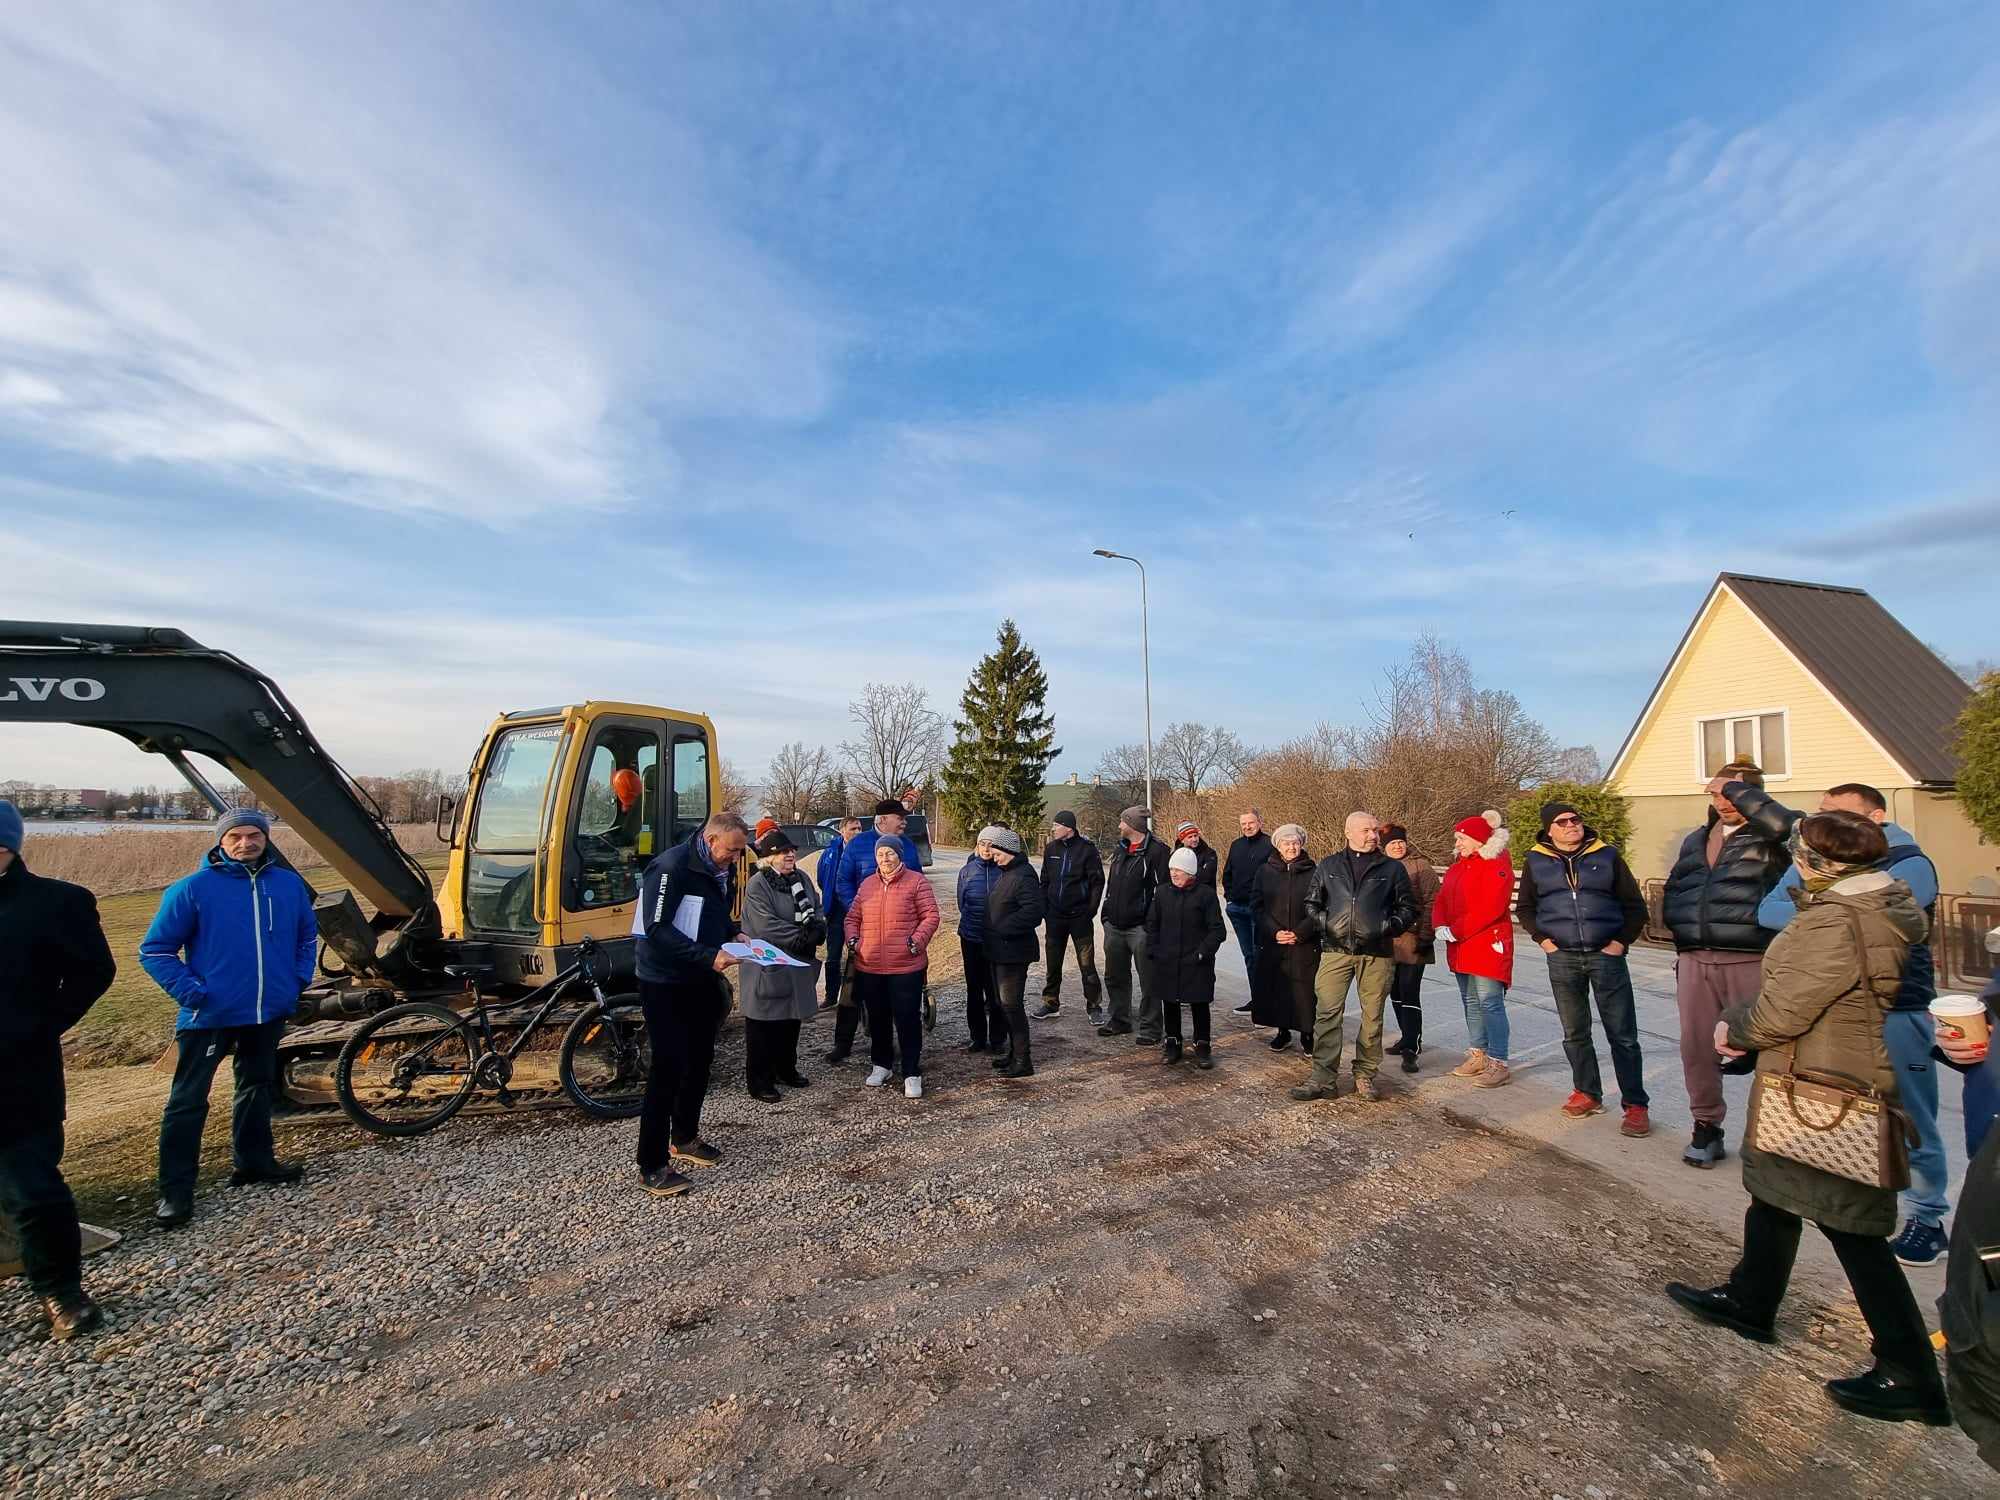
pixel 1908 1032
pixel 234 943
pixel 829 872
pixel 689 904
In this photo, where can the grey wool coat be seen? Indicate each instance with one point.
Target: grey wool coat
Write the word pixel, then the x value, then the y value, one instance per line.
pixel 773 906
pixel 1829 981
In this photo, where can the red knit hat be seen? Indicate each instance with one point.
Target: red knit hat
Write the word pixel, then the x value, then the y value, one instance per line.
pixel 1476 829
pixel 1183 828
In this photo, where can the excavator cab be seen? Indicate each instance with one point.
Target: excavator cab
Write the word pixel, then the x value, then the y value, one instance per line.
pixel 563 810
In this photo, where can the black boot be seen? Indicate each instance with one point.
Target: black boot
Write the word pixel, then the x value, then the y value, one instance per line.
pixel 1410 1057
pixel 276 1173
pixel 173 1209
pixel 1892 1398
pixel 845 1020
pixel 1282 1040
pixel 1021 1061
pixel 1170 1050
pixel 1203 1059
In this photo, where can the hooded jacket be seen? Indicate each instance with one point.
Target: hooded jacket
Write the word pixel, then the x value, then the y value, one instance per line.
pixel 1908 863
pixel 233 943
pixel 857 863
pixel 1580 900
pixel 1828 980
pixel 54 964
pixel 1475 900
pixel 1715 907
pixel 975 879
pixel 1360 902
pixel 1072 878
pixel 1129 884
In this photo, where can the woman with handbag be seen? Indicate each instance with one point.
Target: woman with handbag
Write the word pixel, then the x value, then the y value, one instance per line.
pixel 1825 1140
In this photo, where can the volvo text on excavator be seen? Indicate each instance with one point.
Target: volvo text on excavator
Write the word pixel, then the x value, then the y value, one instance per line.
pixel 562 810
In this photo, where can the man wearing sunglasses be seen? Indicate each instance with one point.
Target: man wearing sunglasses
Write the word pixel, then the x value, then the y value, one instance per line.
pixel 1579 900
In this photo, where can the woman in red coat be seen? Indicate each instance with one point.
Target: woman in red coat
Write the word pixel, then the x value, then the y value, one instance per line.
pixel 1475 921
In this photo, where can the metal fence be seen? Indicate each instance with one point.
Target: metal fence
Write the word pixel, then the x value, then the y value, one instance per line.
pixel 1958 938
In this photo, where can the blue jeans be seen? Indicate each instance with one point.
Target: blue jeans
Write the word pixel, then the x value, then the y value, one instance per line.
pixel 1908 1036
pixel 1244 920
pixel 1485 1003
pixel 1572 978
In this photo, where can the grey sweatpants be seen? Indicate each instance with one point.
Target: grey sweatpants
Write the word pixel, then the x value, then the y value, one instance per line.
pixel 1705 985
pixel 1124 951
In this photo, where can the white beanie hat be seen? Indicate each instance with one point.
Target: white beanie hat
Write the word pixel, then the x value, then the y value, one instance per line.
pixel 1184 860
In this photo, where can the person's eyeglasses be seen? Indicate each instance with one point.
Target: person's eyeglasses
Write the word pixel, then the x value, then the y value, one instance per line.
pixel 1567 823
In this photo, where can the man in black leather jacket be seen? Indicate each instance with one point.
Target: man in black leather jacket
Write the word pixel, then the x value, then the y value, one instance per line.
pixel 1725 869
pixel 1359 900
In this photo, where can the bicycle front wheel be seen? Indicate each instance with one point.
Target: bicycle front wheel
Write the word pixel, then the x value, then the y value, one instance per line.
pixel 406 1071
pixel 606 1056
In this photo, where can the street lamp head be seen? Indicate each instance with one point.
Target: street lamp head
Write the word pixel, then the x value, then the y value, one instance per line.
pixel 1100 552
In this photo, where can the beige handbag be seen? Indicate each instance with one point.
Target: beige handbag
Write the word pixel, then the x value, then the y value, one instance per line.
pixel 1831 1121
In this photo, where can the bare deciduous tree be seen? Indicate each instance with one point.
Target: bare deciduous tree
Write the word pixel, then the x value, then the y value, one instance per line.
pixel 901 742
pixel 1576 763
pixel 1121 774
pixel 735 790
pixel 1190 756
pixel 796 781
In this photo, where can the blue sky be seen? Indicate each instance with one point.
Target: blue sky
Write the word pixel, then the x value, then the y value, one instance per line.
pixel 448 359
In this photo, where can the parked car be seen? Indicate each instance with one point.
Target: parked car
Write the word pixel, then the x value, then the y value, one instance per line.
pixel 917 830
pixel 810 836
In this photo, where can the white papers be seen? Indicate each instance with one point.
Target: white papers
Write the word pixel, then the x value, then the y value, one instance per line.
pixel 687 920
pixel 763 955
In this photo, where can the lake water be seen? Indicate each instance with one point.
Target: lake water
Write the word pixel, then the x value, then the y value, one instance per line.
pixel 58 827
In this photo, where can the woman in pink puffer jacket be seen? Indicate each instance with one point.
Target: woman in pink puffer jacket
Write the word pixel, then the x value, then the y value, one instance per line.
pixel 889 929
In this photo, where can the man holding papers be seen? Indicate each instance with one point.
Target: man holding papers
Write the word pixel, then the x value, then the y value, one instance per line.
pixel 686 900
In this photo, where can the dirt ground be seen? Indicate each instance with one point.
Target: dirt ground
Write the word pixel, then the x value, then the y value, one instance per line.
pixel 1115 1277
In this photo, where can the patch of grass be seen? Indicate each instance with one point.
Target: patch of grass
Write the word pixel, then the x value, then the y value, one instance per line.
pixel 134 1021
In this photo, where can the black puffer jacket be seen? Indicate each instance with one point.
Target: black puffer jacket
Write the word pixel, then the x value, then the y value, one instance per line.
pixel 1184 931
pixel 1130 882
pixel 54 963
pixel 1072 878
pixel 1360 903
pixel 1716 908
pixel 1014 910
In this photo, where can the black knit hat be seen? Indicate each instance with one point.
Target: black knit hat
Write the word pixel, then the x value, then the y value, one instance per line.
pixel 890 807
pixel 1067 819
pixel 1393 831
pixel 1553 810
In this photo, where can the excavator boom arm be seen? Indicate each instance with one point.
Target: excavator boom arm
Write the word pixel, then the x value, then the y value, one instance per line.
pixel 171 695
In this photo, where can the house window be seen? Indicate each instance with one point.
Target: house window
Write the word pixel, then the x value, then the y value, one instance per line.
pixel 1760 735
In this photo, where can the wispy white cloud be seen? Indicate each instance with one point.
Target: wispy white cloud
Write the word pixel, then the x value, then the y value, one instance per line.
pixel 351 278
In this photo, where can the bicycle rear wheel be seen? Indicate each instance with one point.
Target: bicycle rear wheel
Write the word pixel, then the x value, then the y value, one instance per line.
pixel 406 1071
pixel 606 1055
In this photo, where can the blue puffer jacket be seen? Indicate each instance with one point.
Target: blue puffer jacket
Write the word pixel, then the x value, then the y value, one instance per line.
pixel 975 879
pixel 233 943
pixel 1582 900
pixel 857 863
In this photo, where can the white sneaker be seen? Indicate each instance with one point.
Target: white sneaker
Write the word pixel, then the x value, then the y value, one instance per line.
pixel 913 1088
pixel 877 1076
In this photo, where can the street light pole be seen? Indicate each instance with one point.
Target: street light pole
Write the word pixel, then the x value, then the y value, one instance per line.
pixel 1146 661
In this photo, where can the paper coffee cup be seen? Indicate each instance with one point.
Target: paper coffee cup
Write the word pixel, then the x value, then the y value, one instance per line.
pixel 1960 1018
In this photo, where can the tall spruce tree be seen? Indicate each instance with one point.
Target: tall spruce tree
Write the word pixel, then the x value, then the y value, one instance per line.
pixel 1006 740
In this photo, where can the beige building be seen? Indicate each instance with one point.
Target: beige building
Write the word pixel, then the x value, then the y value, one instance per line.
pixel 1818 685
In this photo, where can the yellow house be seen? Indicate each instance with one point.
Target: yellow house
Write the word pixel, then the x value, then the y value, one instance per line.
pixel 1819 685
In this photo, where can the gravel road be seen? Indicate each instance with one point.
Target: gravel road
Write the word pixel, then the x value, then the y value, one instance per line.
pixel 1112 1278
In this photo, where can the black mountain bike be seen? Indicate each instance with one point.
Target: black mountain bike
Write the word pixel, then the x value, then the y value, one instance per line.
pixel 414 1066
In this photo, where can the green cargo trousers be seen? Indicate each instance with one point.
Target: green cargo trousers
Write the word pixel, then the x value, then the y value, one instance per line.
pixel 1372 976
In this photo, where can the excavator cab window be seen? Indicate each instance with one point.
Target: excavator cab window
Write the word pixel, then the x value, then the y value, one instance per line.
pixel 690 785
pixel 500 858
pixel 617 817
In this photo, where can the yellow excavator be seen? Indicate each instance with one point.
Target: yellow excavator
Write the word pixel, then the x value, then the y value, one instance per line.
pixel 562 810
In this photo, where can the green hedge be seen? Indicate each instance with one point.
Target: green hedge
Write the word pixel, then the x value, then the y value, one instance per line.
pixel 1604 811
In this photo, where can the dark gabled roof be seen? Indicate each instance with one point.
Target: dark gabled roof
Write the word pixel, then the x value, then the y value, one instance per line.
pixel 1887 678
